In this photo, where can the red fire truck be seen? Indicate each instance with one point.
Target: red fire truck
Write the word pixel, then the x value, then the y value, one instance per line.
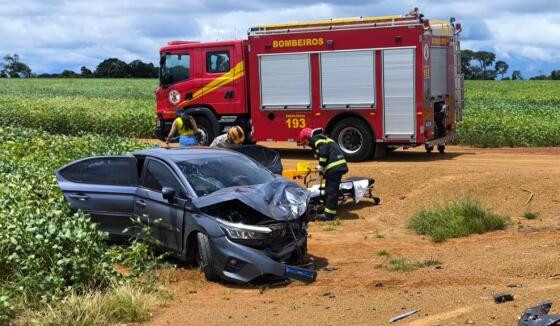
pixel 373 84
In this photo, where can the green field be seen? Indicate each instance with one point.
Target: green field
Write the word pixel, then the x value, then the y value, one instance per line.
pixel 497 113
pixel 75 106
pixel 47 251
pixel 511 113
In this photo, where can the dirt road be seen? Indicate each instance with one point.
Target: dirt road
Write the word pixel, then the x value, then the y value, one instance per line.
pixel 358 289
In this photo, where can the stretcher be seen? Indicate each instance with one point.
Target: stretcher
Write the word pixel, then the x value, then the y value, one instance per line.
pixel 353 188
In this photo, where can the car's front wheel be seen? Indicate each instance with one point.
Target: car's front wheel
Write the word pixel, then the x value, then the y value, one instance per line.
pixel 204 257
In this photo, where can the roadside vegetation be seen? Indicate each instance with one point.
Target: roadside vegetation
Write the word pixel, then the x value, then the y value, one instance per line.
pixel 459 218
pixel 55 260
pixel 497 113
pixel 400 264
pixel 531 215
pixel 511 114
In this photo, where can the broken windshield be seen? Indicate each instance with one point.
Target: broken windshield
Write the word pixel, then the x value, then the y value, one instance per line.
pixel 210 174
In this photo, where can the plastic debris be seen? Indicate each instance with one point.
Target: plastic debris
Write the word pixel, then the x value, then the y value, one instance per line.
pixel 402 316
pixel 503 297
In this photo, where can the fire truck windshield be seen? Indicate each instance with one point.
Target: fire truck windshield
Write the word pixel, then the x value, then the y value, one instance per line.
pixel 175 68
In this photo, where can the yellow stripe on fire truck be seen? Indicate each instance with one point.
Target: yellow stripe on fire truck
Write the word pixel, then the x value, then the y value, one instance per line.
pixel 237 72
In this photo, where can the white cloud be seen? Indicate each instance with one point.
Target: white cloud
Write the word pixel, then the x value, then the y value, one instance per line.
pixel 531 36
pixel 58 34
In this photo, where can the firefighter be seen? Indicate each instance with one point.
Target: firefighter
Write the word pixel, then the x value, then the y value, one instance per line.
pixel 332 166
pixel 234 136
pixel 186 127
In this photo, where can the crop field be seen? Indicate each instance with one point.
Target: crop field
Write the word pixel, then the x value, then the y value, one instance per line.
pixel 497 114
pixel 76 106
pixel 511 114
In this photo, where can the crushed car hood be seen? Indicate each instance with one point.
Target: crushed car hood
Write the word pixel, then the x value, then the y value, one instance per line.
pixel 280 199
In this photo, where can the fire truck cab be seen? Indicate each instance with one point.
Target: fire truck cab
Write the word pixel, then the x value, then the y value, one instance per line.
pixel 373 84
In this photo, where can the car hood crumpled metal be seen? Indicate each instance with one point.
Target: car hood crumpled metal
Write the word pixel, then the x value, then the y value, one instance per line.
pixel 280 199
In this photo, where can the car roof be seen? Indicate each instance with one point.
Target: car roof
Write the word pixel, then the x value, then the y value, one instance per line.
pixel 183 154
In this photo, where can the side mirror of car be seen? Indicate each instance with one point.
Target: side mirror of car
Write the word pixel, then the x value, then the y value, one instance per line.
pixel 168 193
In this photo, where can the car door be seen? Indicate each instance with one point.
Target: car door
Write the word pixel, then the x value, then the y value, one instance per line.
pixel 165 216
pixel 103 187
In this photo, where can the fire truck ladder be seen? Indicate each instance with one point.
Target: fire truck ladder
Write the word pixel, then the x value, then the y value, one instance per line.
pixel 335 24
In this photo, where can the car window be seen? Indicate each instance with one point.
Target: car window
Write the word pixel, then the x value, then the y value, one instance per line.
pixel 157 175
pixel 118 171
pixel 209 174
pixel 217 62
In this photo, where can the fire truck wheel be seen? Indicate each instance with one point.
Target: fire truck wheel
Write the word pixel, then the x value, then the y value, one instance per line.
pixel 429 149
pixel 205 128
pixel 441 149
pixel 354 138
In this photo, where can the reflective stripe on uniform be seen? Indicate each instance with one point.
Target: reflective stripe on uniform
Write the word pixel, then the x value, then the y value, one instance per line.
pixel 322 159
pixel 321 141
pixel 335 163
pixel 330 211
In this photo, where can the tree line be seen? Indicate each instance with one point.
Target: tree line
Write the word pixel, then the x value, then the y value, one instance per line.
pixel 12 67
pixel 480 65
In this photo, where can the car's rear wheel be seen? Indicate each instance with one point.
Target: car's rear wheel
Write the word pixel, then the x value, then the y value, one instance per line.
pixel 204 257
pixel 354 138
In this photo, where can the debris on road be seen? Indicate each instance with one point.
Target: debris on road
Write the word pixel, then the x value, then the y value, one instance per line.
pixel 503 297
pixel 530 195
pixel 538 316
pixel 514 285
pixel 402 316
pixel 329 294
pixel 329 269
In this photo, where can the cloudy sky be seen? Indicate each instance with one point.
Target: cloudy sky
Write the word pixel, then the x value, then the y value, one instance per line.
pixel 52 35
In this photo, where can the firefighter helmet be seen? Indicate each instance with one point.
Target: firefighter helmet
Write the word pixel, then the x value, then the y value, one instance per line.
pixel 236 135
pixel 305 136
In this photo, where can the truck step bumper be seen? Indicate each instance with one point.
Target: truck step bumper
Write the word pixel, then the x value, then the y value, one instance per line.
pixel 439 141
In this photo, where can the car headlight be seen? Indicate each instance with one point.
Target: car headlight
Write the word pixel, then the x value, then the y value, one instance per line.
pixel 240 231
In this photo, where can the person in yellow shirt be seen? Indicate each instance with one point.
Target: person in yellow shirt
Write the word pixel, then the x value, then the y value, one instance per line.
pixel 185 126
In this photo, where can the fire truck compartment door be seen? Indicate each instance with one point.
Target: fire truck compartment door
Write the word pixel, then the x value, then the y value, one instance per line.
pixel 398 93
pixel 285 81
pixel 347 79
pixel 438 76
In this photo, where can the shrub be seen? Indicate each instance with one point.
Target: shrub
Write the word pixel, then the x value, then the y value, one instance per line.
pixel 456 219
pixel 531 215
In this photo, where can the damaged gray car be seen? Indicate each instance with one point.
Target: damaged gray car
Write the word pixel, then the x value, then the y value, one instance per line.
pixel 238 220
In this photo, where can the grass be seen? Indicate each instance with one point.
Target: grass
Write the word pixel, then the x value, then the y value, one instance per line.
pixel 459 218
pixel 383 253
pixel 332 225
pixel 399 264
pixel 531 215
pixel 122 304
